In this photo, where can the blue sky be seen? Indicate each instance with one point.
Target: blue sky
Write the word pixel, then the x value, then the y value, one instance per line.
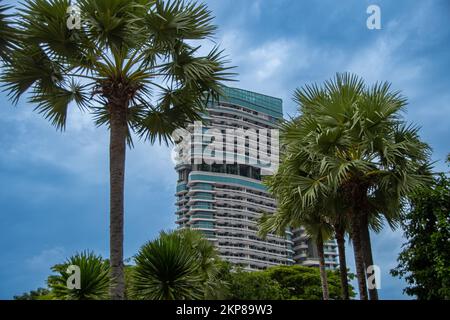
pixel 54 186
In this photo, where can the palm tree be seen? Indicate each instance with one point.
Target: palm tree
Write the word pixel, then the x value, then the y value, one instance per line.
pixel 177 266
pixel 133 64
pixel 316 227
pixel 292 212
pixel 294 209
pixel 320 231
pixel 360 150
pixel 94 278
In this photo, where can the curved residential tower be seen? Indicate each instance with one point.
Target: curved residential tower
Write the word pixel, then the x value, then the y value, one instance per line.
pixel 224 200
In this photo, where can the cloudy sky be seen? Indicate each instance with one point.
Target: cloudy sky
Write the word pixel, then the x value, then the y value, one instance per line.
pixel 54 186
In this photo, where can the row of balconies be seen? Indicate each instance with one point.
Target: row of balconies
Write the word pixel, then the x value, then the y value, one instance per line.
pixel 256 246
pixel 230 211
pixel 254 259
pixel 256 212
pixel 241 110
pixel 194 200
pixel 246 228
pixel 247 239
pixel 254 251
pixel 244 202
pixel 252 119
pixel 242 195
pixel 239 122
pixel 241 219
pixel 244 192
pixel 227 188
pixel 270 236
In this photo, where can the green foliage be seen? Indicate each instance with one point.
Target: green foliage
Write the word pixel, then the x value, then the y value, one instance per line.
pixel 223 280
pixel 425 260
pixel 176 266
pixel 38 294
pixel 138 54
pixel 211 266
pixel 283 283
pixel 134 65
pixel 255 286
pixel 170 268
pixel 94 280
pixel 349 141
pixel 304 283
pixel 349 158
pixel 166 270
pixel 128 270
pixel 7 33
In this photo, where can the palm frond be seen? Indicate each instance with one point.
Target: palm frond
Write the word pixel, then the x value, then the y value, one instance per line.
pixel 94 278
pixel 176 109
pixel 53 103
pixel 170 21
pixel 348 137
pixel 166 269
pixel 8 34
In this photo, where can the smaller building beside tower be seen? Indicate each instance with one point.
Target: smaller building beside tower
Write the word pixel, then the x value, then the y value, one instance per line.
pixel 306 251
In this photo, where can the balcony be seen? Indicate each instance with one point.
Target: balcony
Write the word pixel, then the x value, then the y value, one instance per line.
pixel 262 253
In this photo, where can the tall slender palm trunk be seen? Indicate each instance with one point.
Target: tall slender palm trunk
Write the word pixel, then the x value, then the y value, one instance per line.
pixel 367 250
pixel 118 133
pixel 340 239
pixel 323 272
pixel 359 256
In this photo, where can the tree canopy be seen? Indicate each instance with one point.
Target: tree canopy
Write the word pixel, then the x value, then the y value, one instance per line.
pixel 425 260
pixel 285 283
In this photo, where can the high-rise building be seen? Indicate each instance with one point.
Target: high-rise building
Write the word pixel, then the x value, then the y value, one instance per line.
pixel 306 251
pixel 225 200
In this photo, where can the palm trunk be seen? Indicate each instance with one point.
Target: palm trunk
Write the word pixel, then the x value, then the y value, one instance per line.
pixel 323 272
pixel 367 249
pixel 359 256
pixel 118 128
pixel 340 239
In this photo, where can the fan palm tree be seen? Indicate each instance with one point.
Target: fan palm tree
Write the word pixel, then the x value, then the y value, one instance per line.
pixel 292 213
pixel 133 64
pixel 94 278
pixel 286 185
pixel 177 266
pixel 315 225
pixel 319 230
pixel 360 150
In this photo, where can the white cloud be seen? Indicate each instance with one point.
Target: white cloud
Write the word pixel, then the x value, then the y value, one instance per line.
pixel 269 66
pixel 81 150
pixel 381 60
pixel 278 66
pixel 269 59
